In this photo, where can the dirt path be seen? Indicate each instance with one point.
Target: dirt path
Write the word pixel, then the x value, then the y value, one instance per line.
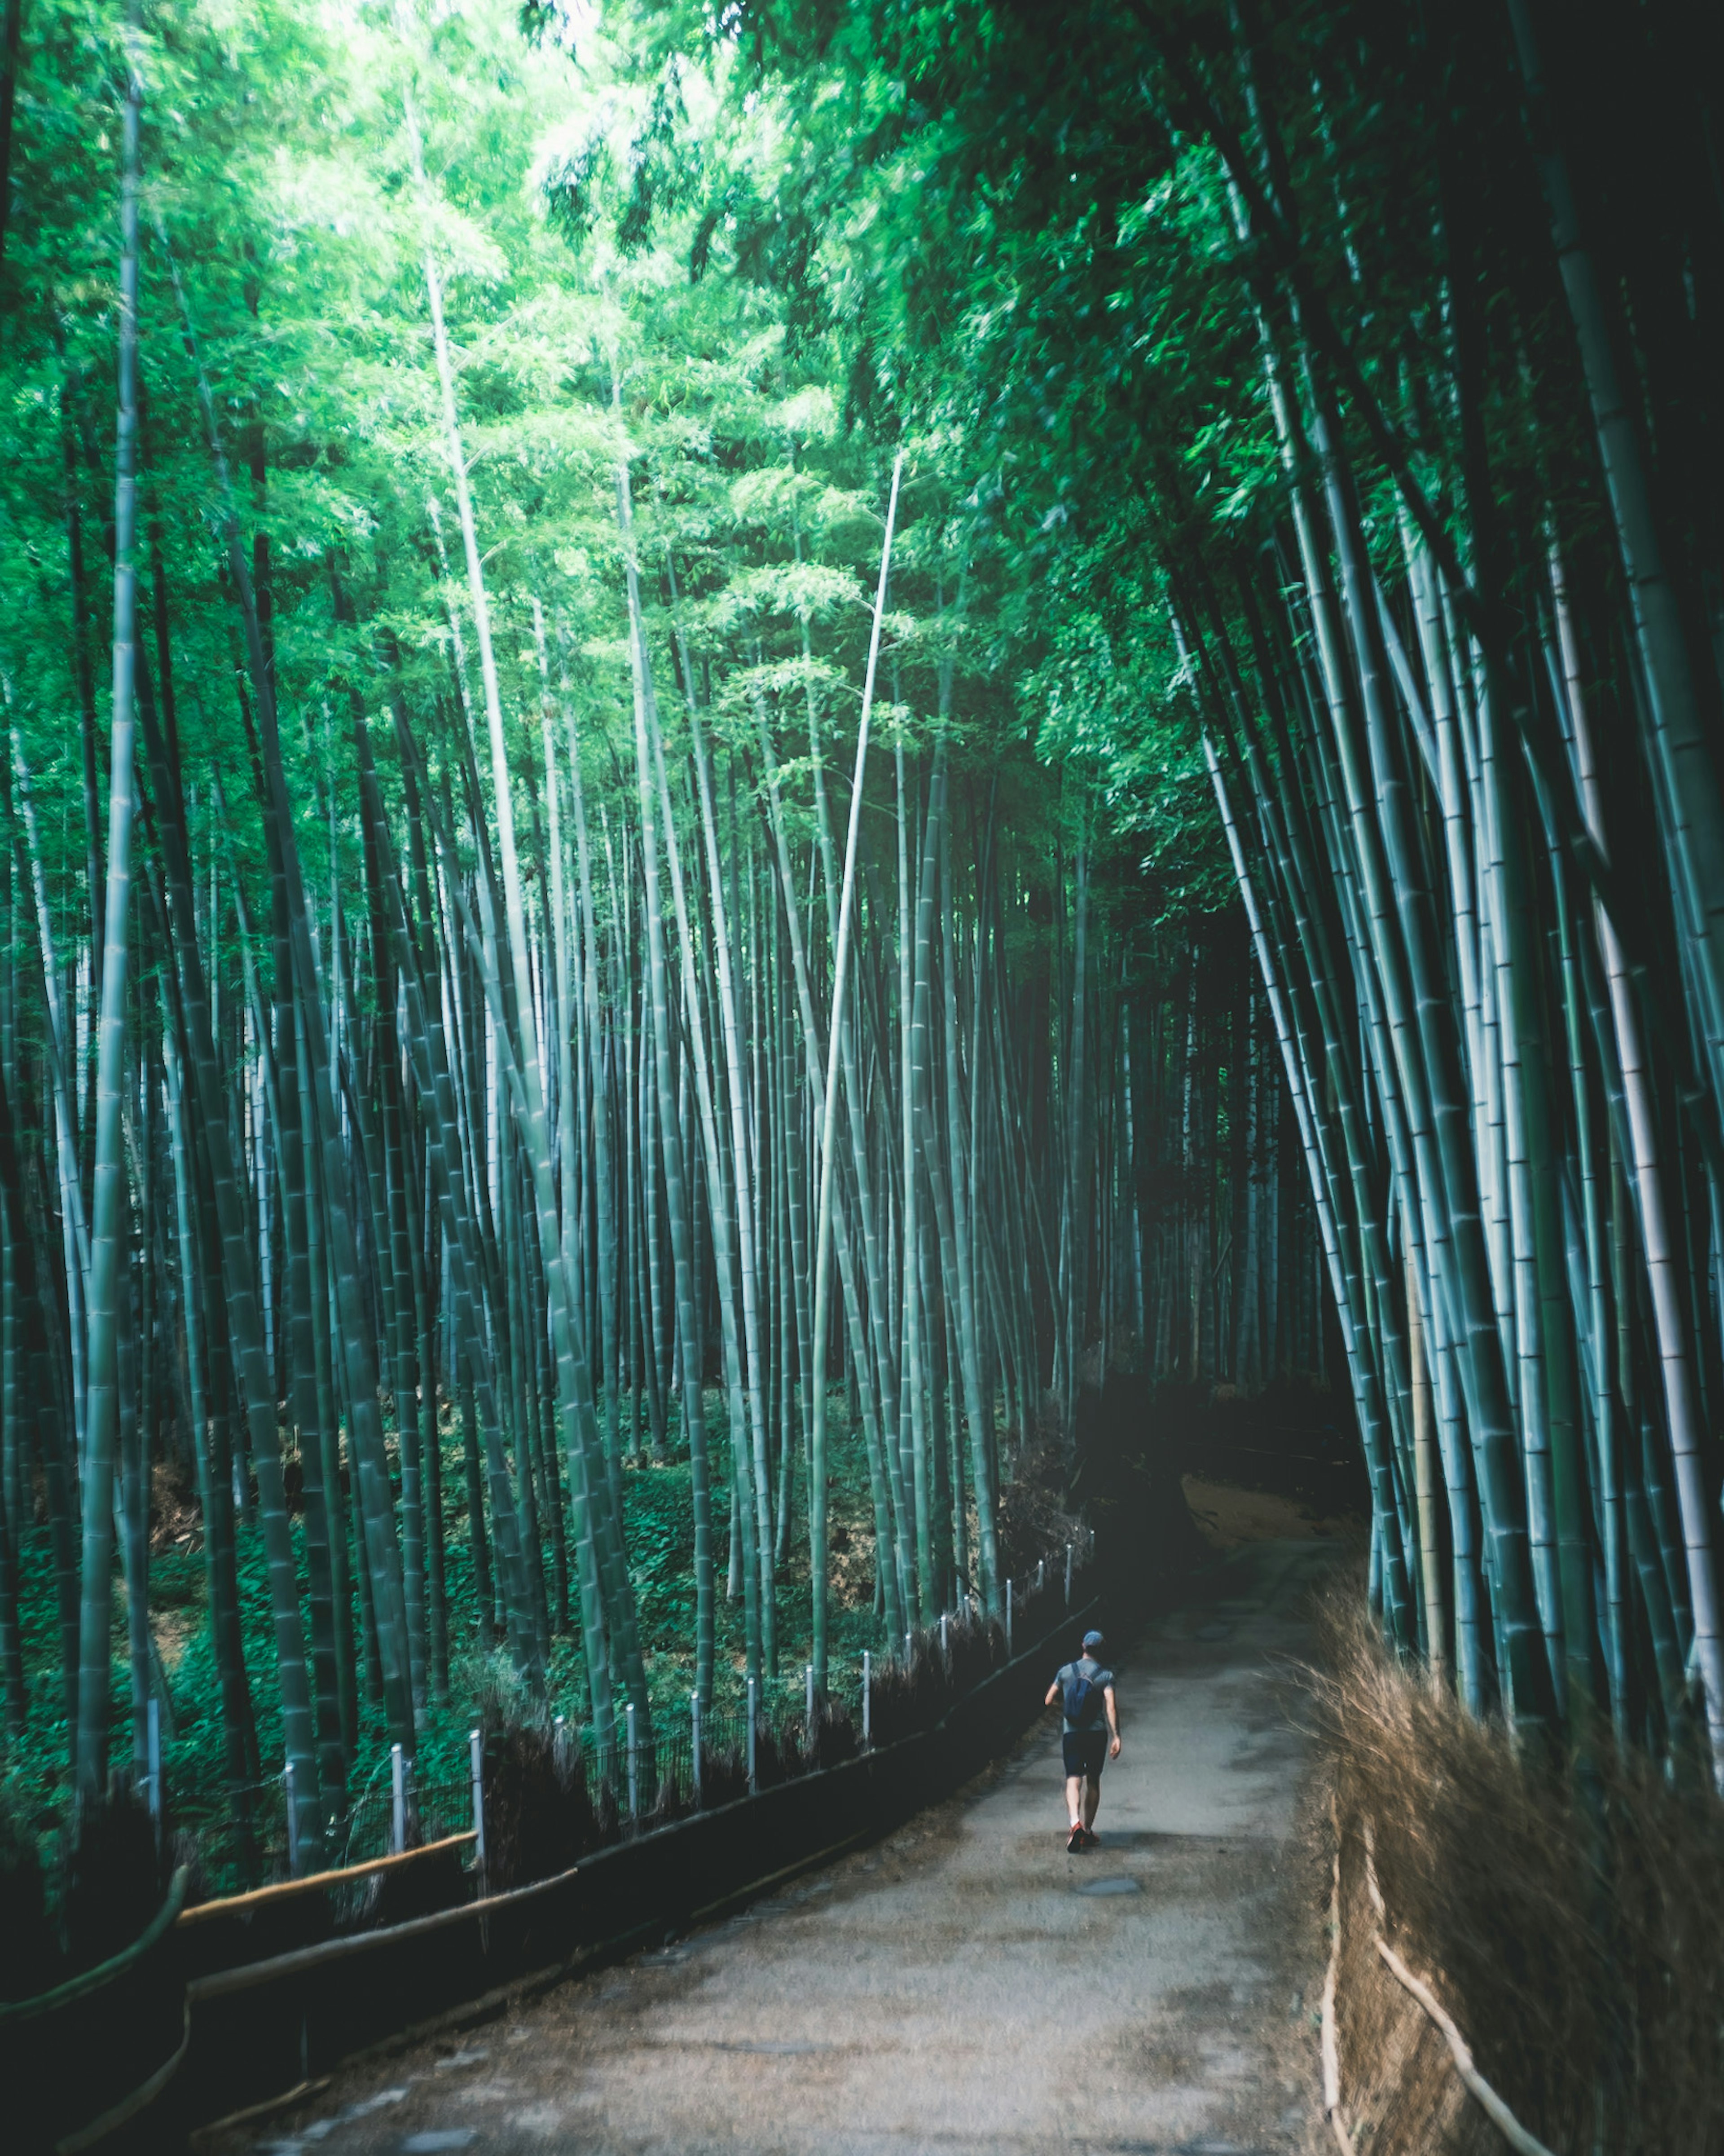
pixel 965 1986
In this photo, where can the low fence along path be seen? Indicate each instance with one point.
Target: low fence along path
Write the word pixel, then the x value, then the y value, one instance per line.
pixel 965 1985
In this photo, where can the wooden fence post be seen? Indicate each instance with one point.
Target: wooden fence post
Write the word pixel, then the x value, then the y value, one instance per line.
pixel 476 1756
pixel 153 1740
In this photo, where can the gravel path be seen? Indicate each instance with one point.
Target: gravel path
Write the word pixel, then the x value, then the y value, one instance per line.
pixel 965 1986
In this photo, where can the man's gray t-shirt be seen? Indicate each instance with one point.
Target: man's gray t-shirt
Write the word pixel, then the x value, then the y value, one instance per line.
pixel 1085 1666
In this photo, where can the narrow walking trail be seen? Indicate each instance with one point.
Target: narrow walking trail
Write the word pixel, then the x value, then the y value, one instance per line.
pixel 965 1986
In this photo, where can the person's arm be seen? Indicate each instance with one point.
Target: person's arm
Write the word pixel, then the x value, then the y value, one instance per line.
pixel 1053 1693
pixel 1113 1722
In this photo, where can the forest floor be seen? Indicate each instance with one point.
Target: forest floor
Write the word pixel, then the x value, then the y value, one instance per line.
pixel 965 1985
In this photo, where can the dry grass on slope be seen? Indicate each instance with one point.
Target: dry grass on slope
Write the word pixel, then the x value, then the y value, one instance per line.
pixel 1569 1917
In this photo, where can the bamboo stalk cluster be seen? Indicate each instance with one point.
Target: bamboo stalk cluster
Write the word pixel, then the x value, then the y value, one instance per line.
pixel 512 1065
pixel 1479 852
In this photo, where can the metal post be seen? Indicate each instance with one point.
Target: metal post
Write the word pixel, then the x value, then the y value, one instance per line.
pixel 945 1645
pixel 1068 1575
pixel 293 1822
pixel 695 1740
pixel 808 1710
pixel 1008 1616
pixel 1041 1574
pixel 476 1755
pixel 752 1784
pixel 909 1640
pixel 153 1724
pixel 634 1764
pixel 560 1739
pixel 398 1777
pixel 867 1700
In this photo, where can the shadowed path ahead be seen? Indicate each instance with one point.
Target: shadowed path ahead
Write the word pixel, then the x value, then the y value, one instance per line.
pixel 965 1986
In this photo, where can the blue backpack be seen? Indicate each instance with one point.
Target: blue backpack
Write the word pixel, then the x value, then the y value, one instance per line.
pixel 1084 1701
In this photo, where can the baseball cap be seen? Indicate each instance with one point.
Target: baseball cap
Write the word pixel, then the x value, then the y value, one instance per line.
pixel 1091 1639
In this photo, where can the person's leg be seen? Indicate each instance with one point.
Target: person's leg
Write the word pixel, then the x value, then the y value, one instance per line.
pixel 1074 1760
pixel 1095 1757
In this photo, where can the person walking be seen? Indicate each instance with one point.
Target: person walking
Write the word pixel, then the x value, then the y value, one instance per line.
pixel 1085 1690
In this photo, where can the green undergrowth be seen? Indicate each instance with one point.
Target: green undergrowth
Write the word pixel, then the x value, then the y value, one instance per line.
pixel 659 1516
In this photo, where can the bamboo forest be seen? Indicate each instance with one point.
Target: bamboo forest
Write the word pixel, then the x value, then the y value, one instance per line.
pixel 786 786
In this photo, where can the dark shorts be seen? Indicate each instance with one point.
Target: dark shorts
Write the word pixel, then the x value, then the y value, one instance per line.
pixel 1085 1749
